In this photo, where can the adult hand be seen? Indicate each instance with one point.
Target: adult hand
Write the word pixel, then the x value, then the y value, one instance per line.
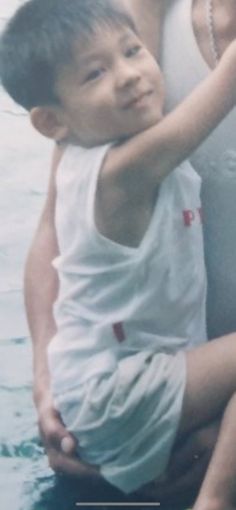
pixel 187 468
pixel 60 445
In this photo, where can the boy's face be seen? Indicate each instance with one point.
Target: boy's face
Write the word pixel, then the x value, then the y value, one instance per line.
pixel 113 89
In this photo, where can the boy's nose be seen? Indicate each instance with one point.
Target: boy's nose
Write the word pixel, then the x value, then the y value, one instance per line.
pixel 126 74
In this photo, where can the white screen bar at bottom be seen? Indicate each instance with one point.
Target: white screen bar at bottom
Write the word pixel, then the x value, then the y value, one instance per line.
pixel 119 504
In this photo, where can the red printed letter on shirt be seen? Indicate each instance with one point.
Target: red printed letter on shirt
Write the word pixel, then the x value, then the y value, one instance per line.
pixel 189 216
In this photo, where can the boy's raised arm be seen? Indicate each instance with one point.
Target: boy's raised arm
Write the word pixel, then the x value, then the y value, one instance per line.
pixel 150 156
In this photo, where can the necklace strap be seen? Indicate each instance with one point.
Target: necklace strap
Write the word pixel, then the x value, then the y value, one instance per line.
pixel 211 32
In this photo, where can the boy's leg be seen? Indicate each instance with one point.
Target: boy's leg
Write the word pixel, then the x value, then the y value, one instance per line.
pixel 210 388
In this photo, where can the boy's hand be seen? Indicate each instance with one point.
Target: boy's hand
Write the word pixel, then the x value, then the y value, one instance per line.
pixel 60 446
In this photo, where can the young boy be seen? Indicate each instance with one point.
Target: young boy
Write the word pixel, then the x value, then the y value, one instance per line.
pixel 132 278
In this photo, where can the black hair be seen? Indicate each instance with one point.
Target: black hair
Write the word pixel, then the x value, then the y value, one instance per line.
pixel 39 39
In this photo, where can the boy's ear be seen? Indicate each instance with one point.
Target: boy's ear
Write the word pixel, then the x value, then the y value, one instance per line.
pixel 48 121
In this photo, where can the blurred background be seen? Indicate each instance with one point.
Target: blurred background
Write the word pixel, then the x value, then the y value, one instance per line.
pixel 24 170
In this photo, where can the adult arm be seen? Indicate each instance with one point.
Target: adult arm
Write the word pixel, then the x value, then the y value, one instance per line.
pixel 148 15
pixel 41 286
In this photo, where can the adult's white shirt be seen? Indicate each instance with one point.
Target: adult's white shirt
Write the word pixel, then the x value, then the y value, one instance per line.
pixel 184 67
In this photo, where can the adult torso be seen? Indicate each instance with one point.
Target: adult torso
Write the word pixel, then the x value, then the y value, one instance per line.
pixel 184 67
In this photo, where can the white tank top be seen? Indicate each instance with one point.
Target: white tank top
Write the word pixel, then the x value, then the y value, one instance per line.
pixel 184 67
pixel 115 300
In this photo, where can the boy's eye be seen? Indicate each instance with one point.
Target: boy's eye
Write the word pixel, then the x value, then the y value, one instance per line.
pixel 95 74
pixel 133 50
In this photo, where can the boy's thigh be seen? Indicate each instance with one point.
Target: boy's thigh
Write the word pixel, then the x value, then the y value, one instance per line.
pixel 210 382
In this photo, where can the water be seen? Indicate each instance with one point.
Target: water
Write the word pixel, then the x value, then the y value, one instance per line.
pixel 24 162
pixel 22 465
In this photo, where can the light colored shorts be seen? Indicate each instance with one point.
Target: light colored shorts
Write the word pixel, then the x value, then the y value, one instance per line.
pixel 126 422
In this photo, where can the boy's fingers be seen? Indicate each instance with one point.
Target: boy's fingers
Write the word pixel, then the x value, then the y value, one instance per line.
pixel 60 441
pixel 59 438
pixel 54 434
pixel 60 445
pixel 67 445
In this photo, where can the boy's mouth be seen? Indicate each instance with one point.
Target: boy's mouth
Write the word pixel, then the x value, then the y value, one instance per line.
pixel 138 100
